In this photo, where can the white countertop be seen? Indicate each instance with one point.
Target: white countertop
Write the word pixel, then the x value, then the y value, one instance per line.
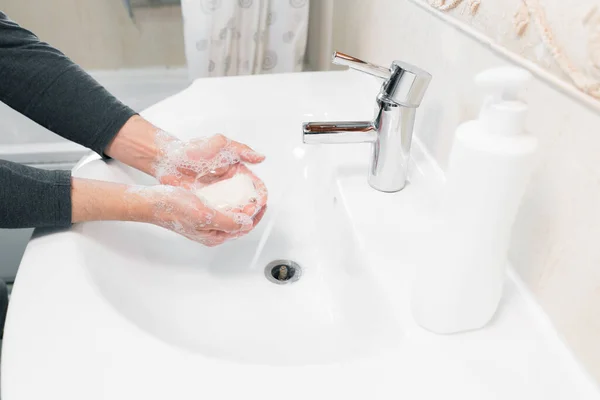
pixel 63 340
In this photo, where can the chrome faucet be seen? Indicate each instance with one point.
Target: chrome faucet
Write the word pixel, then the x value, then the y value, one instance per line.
pixel 391 130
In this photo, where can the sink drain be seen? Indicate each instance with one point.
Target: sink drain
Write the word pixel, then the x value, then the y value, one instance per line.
pixel 283 271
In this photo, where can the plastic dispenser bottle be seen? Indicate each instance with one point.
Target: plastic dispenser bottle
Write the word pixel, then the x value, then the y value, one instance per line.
pixel 459 284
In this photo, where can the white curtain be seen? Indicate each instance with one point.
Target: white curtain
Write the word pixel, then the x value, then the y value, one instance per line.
pixel 241 37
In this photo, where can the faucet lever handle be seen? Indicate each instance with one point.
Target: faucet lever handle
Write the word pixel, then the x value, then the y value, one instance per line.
pixel 404 84
pixel 360 65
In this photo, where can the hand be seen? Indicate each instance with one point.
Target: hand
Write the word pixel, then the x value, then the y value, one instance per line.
pixel 180 211
pixel 170 207
pixel 198 162
pixel 201 162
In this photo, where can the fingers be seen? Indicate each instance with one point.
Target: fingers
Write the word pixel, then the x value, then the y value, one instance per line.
pixel 231 236
pixel 260 215
pixel 171 180
pixel 250 209
pixel 208 238
pixel 205 148
pixel 205 160
pixel 209 160
pixel 246 153
pixel 215 238
pixel 202 170
pixel 202 149
pixel 231 222
pixel 218 174
pixel 259 185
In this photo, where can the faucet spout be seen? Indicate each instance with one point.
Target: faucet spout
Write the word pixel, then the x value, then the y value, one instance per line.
pixel 339 132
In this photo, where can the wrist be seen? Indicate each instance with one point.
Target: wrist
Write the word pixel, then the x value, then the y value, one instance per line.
pixel 138 144
pixel 94 200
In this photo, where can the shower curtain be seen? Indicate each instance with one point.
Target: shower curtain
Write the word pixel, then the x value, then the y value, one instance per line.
pixel 242 37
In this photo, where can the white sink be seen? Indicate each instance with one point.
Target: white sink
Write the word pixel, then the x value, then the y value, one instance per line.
pixel 113 310
pixel 217 301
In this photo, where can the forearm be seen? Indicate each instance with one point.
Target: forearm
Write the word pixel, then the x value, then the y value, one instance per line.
pixel 32 198
pixel 43 84
pixel 94 200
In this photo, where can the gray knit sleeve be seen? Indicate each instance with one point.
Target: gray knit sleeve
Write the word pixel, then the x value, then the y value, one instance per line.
pixel 31 197
pixel 41 83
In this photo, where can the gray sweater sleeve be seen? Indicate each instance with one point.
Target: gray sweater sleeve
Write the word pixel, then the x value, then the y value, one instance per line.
pixel 32 197
pixel 43 84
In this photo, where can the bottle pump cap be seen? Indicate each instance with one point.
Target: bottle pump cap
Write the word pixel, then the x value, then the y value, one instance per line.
pixel 502 111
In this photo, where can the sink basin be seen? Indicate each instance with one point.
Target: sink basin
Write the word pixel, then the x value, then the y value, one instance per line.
pixel 217 301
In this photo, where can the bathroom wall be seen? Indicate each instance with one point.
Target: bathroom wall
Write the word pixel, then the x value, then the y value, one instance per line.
pixel 554 246
pixel 98 34
pixel 562 37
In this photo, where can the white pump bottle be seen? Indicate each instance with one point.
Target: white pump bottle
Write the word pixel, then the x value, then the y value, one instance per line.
pixel 458 286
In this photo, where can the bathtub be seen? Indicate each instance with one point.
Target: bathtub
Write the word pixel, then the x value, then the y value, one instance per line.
pixel 25 142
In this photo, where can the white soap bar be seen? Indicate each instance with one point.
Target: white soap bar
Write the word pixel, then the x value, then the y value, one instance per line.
pixel 229 193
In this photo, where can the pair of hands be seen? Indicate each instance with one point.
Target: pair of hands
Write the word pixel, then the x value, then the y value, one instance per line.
pixel 187 166
pixel 180 167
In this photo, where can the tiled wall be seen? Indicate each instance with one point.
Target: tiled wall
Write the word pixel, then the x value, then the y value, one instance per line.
pixel 554 246
pixel 98 34
pixel 561 37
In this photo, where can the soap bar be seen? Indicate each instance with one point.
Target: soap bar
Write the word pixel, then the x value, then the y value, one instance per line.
pixel 234 192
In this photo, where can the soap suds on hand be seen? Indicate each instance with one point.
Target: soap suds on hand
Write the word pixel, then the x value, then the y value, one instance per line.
pixel 227 194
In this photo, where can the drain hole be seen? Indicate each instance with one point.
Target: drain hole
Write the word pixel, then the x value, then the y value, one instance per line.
pixel 283 271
